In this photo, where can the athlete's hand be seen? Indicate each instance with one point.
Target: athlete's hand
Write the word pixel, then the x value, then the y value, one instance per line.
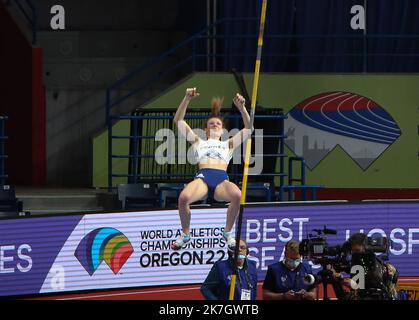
pixel 191 93
pixel 239 101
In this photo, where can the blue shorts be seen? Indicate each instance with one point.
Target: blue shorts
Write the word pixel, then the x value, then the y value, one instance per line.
pixel 212 178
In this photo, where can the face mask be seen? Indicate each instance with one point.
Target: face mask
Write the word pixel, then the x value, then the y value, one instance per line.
pixel 241 257
pixel 292 264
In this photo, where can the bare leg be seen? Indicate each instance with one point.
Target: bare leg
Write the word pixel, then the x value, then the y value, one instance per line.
pixel 194 191
pixel 228 191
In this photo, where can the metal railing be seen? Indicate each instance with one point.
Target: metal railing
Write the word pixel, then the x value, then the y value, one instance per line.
pixel 303 187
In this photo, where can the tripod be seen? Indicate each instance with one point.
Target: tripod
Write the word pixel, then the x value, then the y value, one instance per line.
pixel 326 276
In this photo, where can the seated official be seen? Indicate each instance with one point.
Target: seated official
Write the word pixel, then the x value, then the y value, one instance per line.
pixel 285 279
pixel 217 283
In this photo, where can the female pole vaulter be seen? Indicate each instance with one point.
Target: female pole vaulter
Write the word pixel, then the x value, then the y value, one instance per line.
pixel 213 156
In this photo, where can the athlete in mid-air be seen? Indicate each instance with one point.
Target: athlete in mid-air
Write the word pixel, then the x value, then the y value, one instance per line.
pixel 213 156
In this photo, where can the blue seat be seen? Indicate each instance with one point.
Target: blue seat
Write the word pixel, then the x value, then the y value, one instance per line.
pixel 169 193
pixel 9 204
pixel 138 196
pixel 259 191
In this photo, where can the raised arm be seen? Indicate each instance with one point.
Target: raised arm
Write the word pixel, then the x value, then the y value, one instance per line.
pixel 183 127
pixel 246 132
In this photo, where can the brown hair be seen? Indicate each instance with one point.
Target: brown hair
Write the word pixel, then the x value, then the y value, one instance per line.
pixel 216 104
pixel 293 246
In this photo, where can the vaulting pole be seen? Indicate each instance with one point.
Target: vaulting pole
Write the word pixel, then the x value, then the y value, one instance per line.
pixel 248 147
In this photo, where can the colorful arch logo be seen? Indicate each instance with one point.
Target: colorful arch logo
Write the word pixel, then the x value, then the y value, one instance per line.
pixel 359 125
pixel 104 244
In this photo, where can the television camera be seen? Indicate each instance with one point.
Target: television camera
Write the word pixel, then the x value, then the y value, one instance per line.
pixel 379 281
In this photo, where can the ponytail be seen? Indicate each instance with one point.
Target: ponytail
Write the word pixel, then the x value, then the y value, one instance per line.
pixel 216 104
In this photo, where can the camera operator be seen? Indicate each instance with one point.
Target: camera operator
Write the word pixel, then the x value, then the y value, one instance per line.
pixel 342 284
pixel 285 279
pixel 380 277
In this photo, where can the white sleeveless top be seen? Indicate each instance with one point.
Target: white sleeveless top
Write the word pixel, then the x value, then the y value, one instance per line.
pixel 213 149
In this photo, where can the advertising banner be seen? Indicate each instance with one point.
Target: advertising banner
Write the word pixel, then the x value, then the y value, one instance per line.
pixel 132 249
pixel 267 229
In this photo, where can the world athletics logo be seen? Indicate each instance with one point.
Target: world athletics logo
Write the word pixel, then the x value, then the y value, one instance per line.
pixel 104 244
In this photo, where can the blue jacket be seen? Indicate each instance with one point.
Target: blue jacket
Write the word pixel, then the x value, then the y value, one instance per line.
pixel 280 279
pixel 217 283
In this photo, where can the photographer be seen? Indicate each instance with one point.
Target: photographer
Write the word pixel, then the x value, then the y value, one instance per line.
pixel 355 245
pixel 380 277
pixel 217 283
pixel 342 283
pixel 285 279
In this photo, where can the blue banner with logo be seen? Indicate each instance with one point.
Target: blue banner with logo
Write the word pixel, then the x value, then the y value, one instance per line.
pixel 267 229
pixel 132 249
